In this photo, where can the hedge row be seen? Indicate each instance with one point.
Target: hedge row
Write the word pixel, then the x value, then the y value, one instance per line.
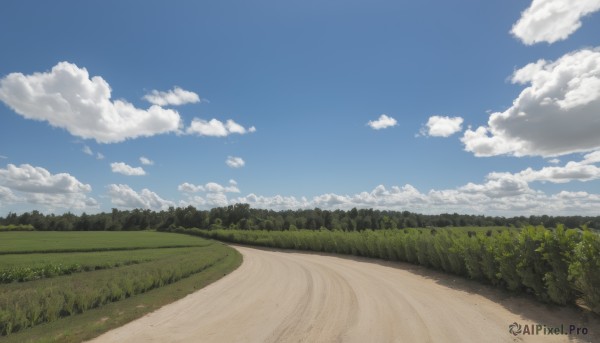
pixel 556 265
pixel 13 227
pixel 47 300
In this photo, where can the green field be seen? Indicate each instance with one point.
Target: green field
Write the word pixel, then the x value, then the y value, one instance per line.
pixel 104 268
pixel 91 259
pixel 35 241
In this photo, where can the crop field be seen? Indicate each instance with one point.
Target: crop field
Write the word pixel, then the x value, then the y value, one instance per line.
pixel 50 276
pixel 43 242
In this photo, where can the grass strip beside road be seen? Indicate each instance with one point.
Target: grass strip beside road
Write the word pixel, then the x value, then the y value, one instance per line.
pixel 94 322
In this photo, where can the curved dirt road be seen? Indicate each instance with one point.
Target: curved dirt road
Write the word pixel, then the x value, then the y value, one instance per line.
pixel 280 296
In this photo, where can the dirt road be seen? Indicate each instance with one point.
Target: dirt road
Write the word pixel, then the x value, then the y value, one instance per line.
pixel 280 296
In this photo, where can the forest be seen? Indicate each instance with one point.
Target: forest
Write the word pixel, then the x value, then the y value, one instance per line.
pixel 242 217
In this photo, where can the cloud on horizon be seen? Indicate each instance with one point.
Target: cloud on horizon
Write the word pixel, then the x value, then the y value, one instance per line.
pixel 37 186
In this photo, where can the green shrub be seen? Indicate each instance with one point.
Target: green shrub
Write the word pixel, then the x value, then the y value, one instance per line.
pixel 558 249
pixel 584 271
pixel 532 267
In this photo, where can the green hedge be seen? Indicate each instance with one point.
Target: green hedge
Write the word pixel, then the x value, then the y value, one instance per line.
pixel 555 265
pixel 13 227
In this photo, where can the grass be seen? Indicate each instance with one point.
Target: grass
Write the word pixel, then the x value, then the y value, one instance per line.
pixel 42 242
pixel 92 259
pixel 112 278
pixel 27 267
pixel 94 322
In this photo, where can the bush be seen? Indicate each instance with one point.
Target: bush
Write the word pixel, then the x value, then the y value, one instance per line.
pixel 584 271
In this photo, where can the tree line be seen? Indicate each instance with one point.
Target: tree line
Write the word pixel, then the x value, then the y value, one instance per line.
pixel 242 217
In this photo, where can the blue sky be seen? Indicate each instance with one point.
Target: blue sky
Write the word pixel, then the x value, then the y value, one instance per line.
pixel 300 82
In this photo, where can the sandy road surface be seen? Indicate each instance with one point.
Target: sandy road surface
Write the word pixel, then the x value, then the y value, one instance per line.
pixel 295 297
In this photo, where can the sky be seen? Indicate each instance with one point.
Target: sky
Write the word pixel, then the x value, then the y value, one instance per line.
pixel 474 107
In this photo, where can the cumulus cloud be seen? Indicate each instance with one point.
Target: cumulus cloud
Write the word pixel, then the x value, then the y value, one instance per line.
pixel 37 186
pixel 6 196
pixel 215 194
pixel 210 187
pixel 125 196
pixel 552 20
pixel 190 188
pixel 382 122
pixel 68 98
pixel 195 201
pixel 125 169
pixel 146 161
pixel 499 195
pixel 176 97
pixel 216 128
pixel 556 115
pixel 235 162
pixel 438 126
pixel 583 170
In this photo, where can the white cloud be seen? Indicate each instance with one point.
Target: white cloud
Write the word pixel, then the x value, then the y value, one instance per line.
pixel 235 162
pixel 210 187
pixel 99 156
pixel 554 161
pixel 499 195
pixel 124 196
pixel 592 157
pixel 583 170
pixel 6 196
pixel 125 169
pixel 190 188
pixel 37 186
pixel 68 98
pixel 176 97
pixel 195 201
pixel 213 187
pixel 146 161
pixel 438 126
pixel 215 194
pixel 382 123
pixel 552 20
pixel 86 150
pixel 556 115
pixel 216 128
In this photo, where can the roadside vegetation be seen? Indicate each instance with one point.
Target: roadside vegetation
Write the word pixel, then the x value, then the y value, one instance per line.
pixel 73 269
pixel 557 266
pixel 41 286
